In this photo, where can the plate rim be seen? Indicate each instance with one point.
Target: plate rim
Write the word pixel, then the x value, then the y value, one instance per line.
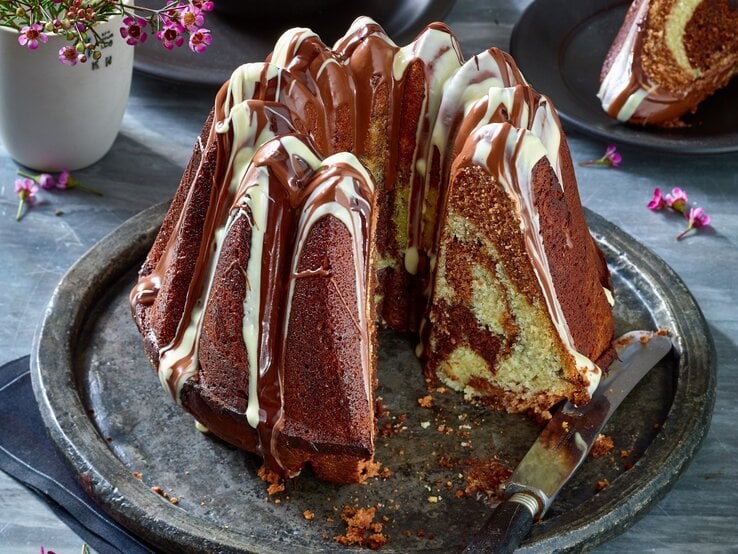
pixel 80 445
pixel 630 137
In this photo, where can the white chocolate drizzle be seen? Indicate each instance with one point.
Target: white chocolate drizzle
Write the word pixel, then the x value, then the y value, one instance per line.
pixel 620 76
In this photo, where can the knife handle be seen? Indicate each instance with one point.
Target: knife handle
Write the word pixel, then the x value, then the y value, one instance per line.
pixel 506 528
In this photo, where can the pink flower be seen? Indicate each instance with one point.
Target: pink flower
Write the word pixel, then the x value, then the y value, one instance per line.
pixel 68 55
pixel 26 190
pixel 133 30
pixel 31 35
pixel 612 155
pixel 200 40
pixel 677 200
pixel 191 17
pixel 46 181
pixel 66 181
pixel 204 5
pixel 657 202
pixel 610 159
pixel 171 35
pixel 697 218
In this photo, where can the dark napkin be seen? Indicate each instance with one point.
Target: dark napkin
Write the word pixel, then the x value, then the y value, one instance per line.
pixel 27 455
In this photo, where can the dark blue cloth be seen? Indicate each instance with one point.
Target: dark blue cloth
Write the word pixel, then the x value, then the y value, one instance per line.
pixel 27 455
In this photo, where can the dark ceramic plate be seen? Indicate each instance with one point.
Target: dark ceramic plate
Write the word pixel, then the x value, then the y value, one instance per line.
pixel 238 40
pixel 560 47
pixel 106 412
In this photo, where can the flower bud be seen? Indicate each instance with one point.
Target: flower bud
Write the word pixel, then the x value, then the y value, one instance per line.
pixel 79 47
pixel 49 27
pixel 20 12
pixel 81 58
pixel 96 55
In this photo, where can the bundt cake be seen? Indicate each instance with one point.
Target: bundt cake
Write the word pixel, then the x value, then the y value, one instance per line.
pixel 335 190
pixel 669 56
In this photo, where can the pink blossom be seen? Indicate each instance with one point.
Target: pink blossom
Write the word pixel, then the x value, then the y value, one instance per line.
pixel 677 200
pixel 133 30
pixel 66 181
pixel 26 190
pixel 610 159
pixel 612 155
pixel 657 202
pixel 31 35
pixel 204 5
pixel 46 181
pixel 191 17
pixel 171 35
pixel 200 40
pixel 68 55
pixel 697 218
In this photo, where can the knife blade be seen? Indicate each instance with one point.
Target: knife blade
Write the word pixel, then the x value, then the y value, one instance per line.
pixel 564 444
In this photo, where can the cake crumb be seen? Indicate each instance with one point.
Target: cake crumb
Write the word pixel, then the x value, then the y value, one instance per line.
pixel 485 475
pixel 426 401
pixel 361 530
pixel 276 484
pixel 174 500
pixel 138 475
pixel 602 484
pixel 624 454
pixel 309 515
pixel 425 424
pixel 371 469
pixel 602 446
pixel 433 499
pixel 275 488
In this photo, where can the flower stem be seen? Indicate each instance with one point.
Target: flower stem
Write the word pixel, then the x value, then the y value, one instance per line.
pixel 681 235
pixel 87 189
pixel 593 162
pixel 33 178
pixel 19 213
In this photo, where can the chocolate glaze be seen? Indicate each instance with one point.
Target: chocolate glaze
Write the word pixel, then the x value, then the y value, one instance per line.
pixel 272 223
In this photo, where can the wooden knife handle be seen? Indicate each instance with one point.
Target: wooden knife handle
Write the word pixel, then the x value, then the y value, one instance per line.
pixel 506 528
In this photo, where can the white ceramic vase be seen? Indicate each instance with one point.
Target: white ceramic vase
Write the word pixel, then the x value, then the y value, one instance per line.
pixel 55 117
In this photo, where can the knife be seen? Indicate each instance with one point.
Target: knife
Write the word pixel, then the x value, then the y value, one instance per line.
pixel 564 444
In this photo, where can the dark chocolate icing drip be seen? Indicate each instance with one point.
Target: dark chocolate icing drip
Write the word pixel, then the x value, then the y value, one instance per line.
pixel 294 188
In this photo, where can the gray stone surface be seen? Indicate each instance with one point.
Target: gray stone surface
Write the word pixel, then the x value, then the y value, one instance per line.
pixel 145 164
